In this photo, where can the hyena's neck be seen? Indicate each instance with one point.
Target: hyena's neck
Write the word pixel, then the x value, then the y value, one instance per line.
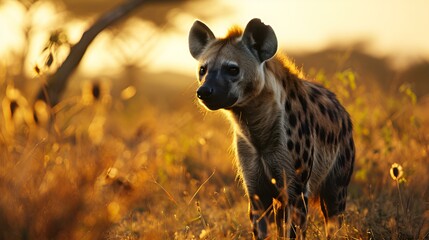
pixel 257 122
pixel 262 120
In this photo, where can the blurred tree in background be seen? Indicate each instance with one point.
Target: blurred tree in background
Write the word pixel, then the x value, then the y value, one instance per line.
pixel 97 15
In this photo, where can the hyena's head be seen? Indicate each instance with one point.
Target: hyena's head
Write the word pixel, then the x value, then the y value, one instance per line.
pixel 230 70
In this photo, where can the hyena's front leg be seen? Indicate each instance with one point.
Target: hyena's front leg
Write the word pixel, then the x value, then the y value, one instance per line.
pixel 290 212
pixel 299 212
pixel 259 221
pixel 291 215
pixel 281 213
pixel 333 203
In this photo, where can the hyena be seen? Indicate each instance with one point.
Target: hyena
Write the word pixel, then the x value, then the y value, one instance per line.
pixel 293 138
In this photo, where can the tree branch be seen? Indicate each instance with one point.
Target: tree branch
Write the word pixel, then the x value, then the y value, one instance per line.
pixel 52 92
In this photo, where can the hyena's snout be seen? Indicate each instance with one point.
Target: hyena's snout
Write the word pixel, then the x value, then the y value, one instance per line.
pixel 216 95
pixel 205 92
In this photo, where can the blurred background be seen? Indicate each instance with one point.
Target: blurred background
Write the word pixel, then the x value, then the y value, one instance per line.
pixel 128 153
pixel 380 38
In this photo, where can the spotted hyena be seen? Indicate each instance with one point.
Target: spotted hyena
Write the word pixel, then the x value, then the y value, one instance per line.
pixel 293 138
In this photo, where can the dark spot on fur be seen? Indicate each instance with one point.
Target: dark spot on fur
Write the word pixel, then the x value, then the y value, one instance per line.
pixel 314 94
pixel 298 164
pixel 336 140
pixel 304 175
pixel 305 156
pixel 292 120
pixel 298 148
pixel 335 116
pixel 332 115
pixel 352 144
pixel 284 81
pixel 292 94
pixel 343 130
pixel 316 91
pixel 322 134
pixel 322 108
pixel 288 132
pixel 307 142
pixel 330 139
pixel 348 176
pixel 349 125
pixel 341 161
pixel 303 103
pixel 311 118
pixel 312 98
pixel 288 106
pixel 342 133
pixel 305 128
pixel 347 152
pixel 289 145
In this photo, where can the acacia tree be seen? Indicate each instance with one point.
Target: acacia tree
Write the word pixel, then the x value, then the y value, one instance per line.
pixel 57 82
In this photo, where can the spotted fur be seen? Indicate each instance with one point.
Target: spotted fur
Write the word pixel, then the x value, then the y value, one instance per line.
pixel 293 138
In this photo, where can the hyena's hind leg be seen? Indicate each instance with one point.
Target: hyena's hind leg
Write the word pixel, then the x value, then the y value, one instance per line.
pixel 333 204
pixel 333 194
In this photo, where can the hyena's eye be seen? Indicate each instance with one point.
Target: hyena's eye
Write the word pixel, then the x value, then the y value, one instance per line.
pixel 203 70
pixel 233 70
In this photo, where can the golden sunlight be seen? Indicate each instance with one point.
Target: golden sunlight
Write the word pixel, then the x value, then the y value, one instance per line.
pixel 113 145
pixel 391 28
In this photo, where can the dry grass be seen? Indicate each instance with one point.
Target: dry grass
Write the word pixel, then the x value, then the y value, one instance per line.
pixel 155 167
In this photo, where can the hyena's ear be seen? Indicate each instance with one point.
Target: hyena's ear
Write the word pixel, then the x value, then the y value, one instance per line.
pixel 199 36
pixel 260 39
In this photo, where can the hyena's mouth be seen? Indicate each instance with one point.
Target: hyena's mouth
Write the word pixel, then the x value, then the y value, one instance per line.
pixel 219 102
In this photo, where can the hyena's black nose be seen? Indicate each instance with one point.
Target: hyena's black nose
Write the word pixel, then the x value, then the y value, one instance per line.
pixel 204 92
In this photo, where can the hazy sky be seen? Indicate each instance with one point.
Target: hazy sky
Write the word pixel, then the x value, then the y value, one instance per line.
pixel 396 28
pixel 390 24
pixel 391 27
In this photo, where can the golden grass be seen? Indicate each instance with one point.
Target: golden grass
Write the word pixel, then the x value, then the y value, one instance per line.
pixel 156 166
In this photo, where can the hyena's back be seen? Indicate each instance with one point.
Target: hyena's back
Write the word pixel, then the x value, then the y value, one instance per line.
pixel 319 128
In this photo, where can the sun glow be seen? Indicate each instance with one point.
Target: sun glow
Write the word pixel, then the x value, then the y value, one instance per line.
pixel 393 28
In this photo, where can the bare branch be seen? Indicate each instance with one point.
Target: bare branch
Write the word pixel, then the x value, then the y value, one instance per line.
pixel 52 92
